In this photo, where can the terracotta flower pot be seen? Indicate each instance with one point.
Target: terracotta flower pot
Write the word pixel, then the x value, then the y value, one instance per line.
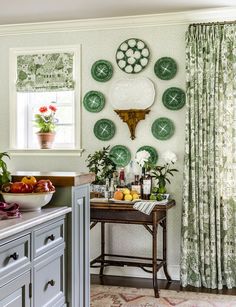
pixel 46 139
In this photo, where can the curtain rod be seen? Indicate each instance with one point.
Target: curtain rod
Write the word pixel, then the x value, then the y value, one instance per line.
pixel 213 23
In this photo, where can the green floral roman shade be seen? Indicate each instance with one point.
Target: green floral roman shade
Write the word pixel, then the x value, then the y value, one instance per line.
pixel 45 72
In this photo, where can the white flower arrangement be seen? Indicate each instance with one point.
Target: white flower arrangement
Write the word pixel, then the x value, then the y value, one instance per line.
pixel 142 157
pixel 163 173
pixel 169 157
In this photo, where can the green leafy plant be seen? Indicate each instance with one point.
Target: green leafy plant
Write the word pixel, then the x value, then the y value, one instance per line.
pixel 5 175
pixel 101 164
pixel 45 120
pixel 163 173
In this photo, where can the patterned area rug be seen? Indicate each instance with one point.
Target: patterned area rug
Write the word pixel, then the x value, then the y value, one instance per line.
pixel 110 296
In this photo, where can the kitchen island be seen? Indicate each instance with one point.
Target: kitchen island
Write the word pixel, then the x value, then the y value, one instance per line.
pixel 32 259
pixel 73 190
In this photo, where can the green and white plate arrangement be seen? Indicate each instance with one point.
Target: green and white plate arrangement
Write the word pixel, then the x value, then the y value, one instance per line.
pixel 102 70
pixel 174 98
pixel 120 155
pixel 153 153
pixel 165 68
pixel 163 128
pixel 94 101
pixel 104 129
pixel 132 56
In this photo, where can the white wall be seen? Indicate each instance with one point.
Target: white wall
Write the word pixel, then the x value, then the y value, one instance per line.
pixel 102 44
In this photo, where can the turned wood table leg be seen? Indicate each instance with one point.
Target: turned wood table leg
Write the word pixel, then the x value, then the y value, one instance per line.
pixel 164 251
pixel 154 255
pixel 102 247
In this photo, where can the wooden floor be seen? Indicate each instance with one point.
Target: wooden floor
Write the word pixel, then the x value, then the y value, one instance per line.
pixel 147 283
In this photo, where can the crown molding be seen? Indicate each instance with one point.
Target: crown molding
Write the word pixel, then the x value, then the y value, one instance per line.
pixel 153 20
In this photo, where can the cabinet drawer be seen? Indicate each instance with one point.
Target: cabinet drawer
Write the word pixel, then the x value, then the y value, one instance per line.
pixel 49 281
pixel 14 257
pixel 48 237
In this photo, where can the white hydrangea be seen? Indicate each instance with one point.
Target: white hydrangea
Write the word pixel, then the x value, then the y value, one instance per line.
pixel 142 156
pixel 169 157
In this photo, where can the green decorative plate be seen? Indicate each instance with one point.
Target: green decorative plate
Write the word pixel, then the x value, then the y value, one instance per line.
pixel 120 155
pixel 163 128
pixel 104 129
pixel 165 68
pixel 174 98
pixel 132 56
pixel 154 156
pixel 94 101
pixel 102 70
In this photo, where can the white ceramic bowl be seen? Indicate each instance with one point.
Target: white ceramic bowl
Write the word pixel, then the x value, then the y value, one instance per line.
pixel 28 201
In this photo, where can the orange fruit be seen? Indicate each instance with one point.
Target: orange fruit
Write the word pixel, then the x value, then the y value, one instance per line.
pixel 118 195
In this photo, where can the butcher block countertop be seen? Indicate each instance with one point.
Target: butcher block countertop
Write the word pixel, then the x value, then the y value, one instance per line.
pixel 60 179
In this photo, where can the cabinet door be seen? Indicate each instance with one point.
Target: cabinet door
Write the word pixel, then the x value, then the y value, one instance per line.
pixel 80 246
pixel 16 293
pixel 49 280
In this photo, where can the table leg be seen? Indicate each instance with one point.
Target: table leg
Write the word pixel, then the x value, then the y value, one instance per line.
pixel 154 255
pixel 164 251
pixel 102 247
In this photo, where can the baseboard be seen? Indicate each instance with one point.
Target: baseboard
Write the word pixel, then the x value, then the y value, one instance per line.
pixel 174 271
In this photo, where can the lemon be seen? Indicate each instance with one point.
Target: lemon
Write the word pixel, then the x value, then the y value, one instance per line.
pixel 128 197
pixel 126 191
pixel 135 196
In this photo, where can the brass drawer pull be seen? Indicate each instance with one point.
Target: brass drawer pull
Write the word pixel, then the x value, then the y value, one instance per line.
pixel 14 256
pixel 51 237
pixel 51 283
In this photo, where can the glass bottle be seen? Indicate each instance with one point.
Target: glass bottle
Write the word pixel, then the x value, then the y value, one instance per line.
pixel 130 175
pixel 121 178
pixel 135 186
pixel 146 184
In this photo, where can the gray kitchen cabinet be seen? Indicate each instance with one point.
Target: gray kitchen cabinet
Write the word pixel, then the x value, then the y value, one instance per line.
pixel 78 249
pixel 49 280
pixel 32 264
pixel 16 293
pixel 72 190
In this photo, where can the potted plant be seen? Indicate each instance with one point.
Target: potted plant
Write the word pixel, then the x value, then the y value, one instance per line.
pixel 101 164
pixel 5 175
pixel 46 122
pixel 162 174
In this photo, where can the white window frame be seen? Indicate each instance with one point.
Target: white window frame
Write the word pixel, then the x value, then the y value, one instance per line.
pixel 13 53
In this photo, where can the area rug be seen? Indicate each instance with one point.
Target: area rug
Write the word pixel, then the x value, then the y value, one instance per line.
pixel 111 296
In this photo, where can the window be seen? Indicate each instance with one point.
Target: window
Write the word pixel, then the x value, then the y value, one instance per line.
pixel 29 91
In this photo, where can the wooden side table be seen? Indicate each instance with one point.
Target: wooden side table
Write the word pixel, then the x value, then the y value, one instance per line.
pixel 107 211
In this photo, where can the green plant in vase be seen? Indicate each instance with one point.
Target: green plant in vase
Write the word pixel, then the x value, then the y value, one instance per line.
pixel 101 164
pixel 163 173
pixel 46 122
pixel 5 175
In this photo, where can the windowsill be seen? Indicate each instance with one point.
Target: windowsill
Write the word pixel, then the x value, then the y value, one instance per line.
pixel 46 152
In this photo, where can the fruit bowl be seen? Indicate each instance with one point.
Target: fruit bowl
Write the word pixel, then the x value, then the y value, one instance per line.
pixel 28 201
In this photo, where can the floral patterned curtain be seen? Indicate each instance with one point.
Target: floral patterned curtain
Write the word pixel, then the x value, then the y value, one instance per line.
pixel 209 195
pixel 45 72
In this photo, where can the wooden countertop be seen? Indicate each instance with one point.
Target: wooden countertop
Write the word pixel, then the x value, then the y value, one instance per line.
pixel 30 219
pixel 61 179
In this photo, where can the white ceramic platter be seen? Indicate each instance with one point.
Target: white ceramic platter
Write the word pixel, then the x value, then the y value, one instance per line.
pixel 136 93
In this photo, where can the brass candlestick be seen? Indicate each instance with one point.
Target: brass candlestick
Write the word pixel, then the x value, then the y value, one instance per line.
pixel 131 117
